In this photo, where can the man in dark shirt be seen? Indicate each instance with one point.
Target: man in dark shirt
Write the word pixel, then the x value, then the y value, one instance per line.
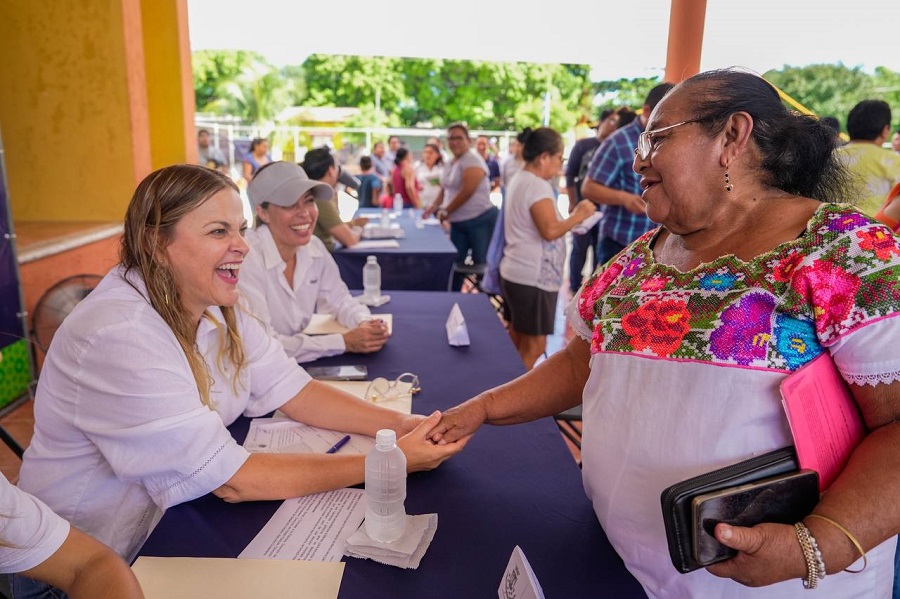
pixel 481 146
pixel 612 182
pixel 576 171
pixel 370 185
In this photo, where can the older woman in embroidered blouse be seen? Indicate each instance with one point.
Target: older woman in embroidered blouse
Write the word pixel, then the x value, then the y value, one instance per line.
pixel 684 338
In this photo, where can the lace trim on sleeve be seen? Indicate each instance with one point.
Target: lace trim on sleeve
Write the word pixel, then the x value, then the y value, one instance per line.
pixel 575 321
pixel 882 378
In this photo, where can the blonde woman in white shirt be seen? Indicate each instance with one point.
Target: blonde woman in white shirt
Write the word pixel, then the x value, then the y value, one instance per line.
pixel 289 275
pixel 531 269
pixel 146 373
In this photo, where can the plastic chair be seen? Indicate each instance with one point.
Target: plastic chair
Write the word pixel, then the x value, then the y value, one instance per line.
pixel 566 423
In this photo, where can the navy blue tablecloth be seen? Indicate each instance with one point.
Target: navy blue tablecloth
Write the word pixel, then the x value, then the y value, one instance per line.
pixel 421 263
pixel 512 485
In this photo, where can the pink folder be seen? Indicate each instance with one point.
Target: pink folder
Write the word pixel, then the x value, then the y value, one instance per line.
pixel 824 418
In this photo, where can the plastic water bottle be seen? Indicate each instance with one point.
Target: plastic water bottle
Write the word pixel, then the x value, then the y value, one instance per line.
pixel 385 219
pixel 371 278
pixel 398 204
pixel 385 489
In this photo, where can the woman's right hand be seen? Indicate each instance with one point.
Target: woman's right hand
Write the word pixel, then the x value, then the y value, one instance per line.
pixel 430 210
pixel 584 209
pixel 370 336
pixel 459 422
pixel 423 454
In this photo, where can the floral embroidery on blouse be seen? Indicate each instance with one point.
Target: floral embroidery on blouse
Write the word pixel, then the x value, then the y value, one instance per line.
pixel 779 310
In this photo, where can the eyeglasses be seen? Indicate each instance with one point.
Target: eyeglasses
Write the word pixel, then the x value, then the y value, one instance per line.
pixel 381 389
pixel 645 143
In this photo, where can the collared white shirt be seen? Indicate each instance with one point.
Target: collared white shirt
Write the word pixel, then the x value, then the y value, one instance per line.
pixel 288 309
pixel 120 431
pixel 31 532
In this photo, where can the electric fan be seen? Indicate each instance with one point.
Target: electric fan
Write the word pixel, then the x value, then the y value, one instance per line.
pixel 55 305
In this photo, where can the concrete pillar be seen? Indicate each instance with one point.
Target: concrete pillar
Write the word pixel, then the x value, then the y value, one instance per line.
pixel 686 21
pixel 95 94
pixel 167 59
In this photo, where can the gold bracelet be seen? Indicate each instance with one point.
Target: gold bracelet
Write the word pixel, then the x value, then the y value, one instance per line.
pixel 849 536
pixel 811 580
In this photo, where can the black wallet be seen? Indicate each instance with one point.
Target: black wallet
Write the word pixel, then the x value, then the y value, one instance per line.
pixel 677 508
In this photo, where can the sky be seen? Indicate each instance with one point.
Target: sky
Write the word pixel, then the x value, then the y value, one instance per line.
pixel 617 43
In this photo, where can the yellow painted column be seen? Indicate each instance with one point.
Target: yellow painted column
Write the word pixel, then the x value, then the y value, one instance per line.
pixel 96 94
pixel 686 21
pixel 167 58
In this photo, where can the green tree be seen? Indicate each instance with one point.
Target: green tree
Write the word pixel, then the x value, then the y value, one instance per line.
pixel 623 92
pixel 353 81
pixel 257 94
pixel 212 68
pixel 489 95
pixel 825 89
pixel 886 83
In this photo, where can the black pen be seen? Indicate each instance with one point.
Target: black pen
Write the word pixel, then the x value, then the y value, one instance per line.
pixel 339 444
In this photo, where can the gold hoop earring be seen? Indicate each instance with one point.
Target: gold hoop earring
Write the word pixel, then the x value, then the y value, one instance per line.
pixel 728 185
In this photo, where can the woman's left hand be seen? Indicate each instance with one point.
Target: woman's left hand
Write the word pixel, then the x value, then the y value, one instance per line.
pixel 408 423
pixel 768 553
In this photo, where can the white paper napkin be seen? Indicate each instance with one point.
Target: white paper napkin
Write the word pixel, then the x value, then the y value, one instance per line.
pixel 583 227
pixel 405 552
pixel 457 332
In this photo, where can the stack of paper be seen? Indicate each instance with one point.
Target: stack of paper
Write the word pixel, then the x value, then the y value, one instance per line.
pixel 168 577
pixel 314 528
pixel 325 324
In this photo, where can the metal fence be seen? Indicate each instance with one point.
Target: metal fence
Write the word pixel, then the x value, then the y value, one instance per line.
pixel 291 143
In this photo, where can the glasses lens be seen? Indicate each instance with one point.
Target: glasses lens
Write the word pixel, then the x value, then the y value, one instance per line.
pixel 643 149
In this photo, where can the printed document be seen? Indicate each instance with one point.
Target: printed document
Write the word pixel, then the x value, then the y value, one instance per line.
pixel 313 528
pixel 283 435
pixel 519 581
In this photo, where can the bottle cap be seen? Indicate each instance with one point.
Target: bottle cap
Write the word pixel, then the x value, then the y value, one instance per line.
pixel 385 438
pixel 371 259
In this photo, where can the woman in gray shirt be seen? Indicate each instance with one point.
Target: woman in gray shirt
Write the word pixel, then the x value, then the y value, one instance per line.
pixel 468 206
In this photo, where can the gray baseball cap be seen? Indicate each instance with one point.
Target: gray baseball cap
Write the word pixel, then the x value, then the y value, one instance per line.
pixel 283 183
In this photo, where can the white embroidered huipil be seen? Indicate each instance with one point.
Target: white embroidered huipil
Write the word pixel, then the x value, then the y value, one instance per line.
pixel 685 369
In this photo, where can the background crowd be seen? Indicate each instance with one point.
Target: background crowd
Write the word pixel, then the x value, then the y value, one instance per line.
pixel 736 242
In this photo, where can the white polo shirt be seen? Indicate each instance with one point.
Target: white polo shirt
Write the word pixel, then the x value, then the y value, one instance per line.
pixel 120 431
pixel 30 531
pixel 288 309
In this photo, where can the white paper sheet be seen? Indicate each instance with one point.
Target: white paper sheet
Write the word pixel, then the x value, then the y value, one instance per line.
pixel 519 581
pixel 375 244
pixel 457 332
pixel 325 324
pixel 224 578
pixel 314 528
pixel 283 435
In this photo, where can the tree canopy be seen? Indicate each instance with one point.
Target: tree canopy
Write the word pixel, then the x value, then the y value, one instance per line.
pixel 486 95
